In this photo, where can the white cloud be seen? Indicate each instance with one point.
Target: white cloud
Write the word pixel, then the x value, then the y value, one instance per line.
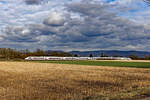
pixel 54 19
pixel 89 24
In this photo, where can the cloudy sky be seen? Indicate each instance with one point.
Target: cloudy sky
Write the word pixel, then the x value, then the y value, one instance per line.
pixel 75 24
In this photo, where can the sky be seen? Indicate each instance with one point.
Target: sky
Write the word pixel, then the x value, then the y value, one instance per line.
pixel 72 25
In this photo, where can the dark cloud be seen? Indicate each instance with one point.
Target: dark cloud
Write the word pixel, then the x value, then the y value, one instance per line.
pixel 97 28
pixel 17 34
pixel 32 2
pixel 147 1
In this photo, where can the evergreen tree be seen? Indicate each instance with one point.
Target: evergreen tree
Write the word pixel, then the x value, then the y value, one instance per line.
pixel 76 55
pixel 90 55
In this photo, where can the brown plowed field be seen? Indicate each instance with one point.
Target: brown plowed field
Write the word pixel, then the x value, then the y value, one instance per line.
pixel 45 81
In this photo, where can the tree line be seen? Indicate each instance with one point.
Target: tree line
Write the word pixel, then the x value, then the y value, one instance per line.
pixel 13 54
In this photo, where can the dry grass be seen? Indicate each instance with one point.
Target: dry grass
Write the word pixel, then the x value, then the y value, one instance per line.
pixel 43 81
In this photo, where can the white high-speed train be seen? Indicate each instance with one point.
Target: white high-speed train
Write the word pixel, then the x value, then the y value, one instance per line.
pixel 75 58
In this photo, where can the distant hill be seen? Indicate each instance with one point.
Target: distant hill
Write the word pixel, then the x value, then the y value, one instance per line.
pixel 111 53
